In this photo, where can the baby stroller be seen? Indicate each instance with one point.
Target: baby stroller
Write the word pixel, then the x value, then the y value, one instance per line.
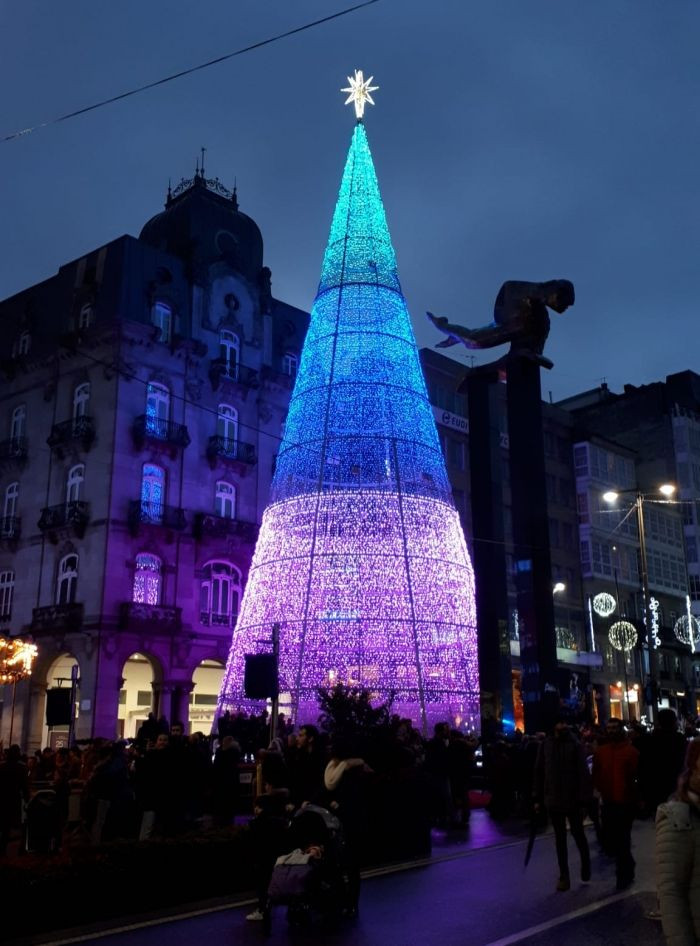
pixel 311 879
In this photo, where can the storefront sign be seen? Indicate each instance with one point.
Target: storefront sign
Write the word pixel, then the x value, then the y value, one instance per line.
pixel 453 421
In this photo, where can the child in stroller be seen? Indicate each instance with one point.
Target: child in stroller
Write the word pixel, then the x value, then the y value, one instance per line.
pixel 312 878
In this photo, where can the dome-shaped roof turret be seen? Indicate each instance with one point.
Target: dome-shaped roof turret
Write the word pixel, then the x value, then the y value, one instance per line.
pixel 202 224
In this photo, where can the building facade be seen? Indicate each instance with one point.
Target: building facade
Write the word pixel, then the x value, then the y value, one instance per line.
pixel 145 385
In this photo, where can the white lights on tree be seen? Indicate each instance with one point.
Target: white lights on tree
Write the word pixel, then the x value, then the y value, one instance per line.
pixel 359 90
pixel 687 630
pixel 604 604
pixel 623 635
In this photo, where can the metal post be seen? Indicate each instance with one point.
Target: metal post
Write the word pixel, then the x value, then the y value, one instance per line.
pixel 275 697
pixel 12 713
pixel 651 647
pixel 73 690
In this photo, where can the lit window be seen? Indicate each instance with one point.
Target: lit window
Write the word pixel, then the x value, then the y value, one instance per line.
pixel 7 590
pixel 162 318
pixel 147 579
pixel 67 579
pixel 18 423
pixel 220 594
pixel 85 316
pixel 229 348
pixel 290 364
pixel 81 399
pixel 152 492
pixel 225 504
pixel 227 428
pixel 157 410
pixel 76 475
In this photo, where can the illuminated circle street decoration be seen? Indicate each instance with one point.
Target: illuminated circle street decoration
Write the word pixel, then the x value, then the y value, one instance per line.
pixel 361 558
pixel 684 626
pixel 623 635
pixel 604 604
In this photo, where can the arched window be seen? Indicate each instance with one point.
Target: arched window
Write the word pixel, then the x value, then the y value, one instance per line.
pixel 152 492
pixel 18 423
pixel 67 579
pixel 157 410
pixel 7 590
pixel 227 429
pixel 9 510
pixel 74 482
pixel 162 318
pixel 230 349
pixel 225 503
pixel 22 345
pixel 81 399
pixel 220 594
pixel 85 316
pixel 290 364
pixel 147 579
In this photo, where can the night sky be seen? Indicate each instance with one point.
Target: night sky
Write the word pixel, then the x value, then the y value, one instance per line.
pixel 521 139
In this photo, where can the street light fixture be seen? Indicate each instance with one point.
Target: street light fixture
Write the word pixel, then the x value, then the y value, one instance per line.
pixel 558 588
pixel 611 497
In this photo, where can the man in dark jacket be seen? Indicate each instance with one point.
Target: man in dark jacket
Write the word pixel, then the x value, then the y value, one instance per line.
pixel 661 757
pixel 563 786
pixel 14 790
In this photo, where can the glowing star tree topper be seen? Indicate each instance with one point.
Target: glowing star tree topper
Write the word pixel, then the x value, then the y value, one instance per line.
pixel 359 90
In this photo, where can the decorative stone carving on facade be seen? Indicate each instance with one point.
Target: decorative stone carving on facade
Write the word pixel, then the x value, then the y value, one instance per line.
pixel 57 617
pixel 135 615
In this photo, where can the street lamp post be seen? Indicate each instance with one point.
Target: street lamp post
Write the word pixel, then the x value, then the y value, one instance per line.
pixel 667 490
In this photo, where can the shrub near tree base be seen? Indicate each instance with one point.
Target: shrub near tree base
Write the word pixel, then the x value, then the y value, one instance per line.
pixel 87 884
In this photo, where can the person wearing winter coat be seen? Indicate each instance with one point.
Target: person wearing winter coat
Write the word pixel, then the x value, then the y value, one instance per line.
pixel 615 766
pixel 678 856
pixel 563 785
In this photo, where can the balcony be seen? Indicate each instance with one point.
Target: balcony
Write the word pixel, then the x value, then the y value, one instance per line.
pixel 10 529
pixel 56 521
pixel 77 430
pixel 232 451
pixel 158 430
pixel 157 618
pixel 221 526
pixel 13 451
pixel 155 514
pixel 58 617
pixel 236 377
pixel 212 619
pixel 271 377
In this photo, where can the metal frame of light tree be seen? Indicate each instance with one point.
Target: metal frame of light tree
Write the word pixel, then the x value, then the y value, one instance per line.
pixel 361 556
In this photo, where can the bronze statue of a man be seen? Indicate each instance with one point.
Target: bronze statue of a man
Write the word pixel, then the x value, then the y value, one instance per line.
pixel 519 316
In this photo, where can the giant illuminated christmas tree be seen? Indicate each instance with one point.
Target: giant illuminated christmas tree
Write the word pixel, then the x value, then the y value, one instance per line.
pixel 361 557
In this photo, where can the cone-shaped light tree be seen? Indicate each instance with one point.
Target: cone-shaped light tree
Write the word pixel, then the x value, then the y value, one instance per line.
pixel 361 558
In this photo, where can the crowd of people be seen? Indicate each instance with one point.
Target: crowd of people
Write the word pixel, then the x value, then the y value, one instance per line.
pixel 165 783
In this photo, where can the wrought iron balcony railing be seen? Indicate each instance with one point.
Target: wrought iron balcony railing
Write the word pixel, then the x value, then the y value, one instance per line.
pixel 219 526
pixel 155 514
pixel 224 371
pixel 75 515
pixel 229 449
pixel 58 617
pixel 137 615
pixel 212 619
pixel 10 527
pixel 13 449
pixel 148 427
pixel 76 430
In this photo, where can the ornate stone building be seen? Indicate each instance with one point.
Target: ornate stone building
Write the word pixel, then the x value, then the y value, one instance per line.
pixel 144 387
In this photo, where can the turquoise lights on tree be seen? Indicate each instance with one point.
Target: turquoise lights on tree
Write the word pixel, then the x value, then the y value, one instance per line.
pixel 361 557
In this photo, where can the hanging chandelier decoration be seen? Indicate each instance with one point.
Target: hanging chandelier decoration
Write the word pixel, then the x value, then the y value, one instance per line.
pixel 623 635
pixel 687 630
pixel 604 604
pixel 16 659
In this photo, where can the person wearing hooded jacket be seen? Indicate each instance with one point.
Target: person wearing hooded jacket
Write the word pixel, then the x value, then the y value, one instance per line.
pixel 678 856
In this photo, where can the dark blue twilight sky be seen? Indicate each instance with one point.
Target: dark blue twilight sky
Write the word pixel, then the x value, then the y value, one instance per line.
pixel 512 138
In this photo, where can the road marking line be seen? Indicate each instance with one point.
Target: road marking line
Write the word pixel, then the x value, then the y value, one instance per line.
pixel 557 921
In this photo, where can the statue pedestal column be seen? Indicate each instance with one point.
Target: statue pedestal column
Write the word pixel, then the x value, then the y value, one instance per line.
pixel 533 567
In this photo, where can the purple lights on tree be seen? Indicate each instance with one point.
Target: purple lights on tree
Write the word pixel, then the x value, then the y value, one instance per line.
pixel 361 558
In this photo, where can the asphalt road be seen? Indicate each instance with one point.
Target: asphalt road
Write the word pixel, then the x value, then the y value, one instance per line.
pixel 468 894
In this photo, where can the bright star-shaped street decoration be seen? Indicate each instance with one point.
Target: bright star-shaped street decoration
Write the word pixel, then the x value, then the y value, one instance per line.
pixel 359 90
